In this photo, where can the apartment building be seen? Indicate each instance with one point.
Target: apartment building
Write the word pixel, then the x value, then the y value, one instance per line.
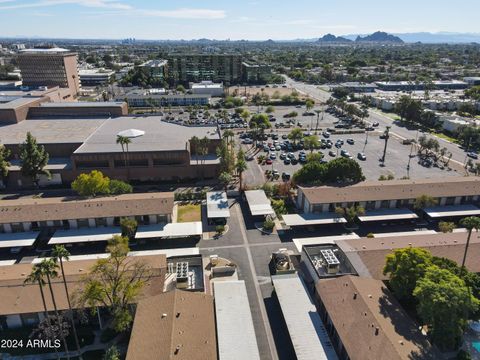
pixel 185 68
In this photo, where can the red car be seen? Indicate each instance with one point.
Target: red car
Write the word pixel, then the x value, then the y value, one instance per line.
pixel 269 162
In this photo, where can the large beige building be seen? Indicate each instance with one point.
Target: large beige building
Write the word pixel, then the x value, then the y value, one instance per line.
pixel 50 67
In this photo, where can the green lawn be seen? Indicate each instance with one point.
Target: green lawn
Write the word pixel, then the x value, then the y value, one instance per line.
pixel 189 213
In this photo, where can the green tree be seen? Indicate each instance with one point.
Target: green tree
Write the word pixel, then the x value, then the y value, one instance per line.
pixel 404 268
pixel 309 104
pixel 343 170
pixel 241 166
pixel 129 227
pixel 4 163
pixel 470 223
pixel 350 213
pixel 118 187
pixel 296 135
pixel 59 254
pixel 227 157
pixel 181 88
pixel 225 178
pixel 260 121
pixel 112 354
pixel 424 201
pixel 37 275
pixel 270 109
pixel 278 205
pixel 311 142
pixel 115 283
pixel 92 184
pixel 446 226
pixel 444 304
pixel 49 269
pixel 34 158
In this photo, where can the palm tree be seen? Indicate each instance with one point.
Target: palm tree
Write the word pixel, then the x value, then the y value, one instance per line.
pixel 49 269
pixel 470 224
pixel 37 276
pixel 228 136
pixel 59 253
pixel 318 112
pixel 124 141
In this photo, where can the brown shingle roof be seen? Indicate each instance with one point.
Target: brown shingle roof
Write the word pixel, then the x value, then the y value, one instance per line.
pixel 25 210
pixel 373 252
pixel 394 190
pixel 358 307
pixel 17 298
pixel 175 320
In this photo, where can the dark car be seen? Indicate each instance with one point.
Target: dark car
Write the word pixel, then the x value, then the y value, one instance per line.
pixel 472 155
pixel 285 176
pixel 332 153
pixel 361 156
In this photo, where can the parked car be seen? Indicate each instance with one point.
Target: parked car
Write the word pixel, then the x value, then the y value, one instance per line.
pixel 332 153
pixel 472 155
pixel 361 156
pixel 351 141
pixel 249 158
pixel 326 134
pixel 287 161
pixel 268 162
pixel 286 176
pixel 375 124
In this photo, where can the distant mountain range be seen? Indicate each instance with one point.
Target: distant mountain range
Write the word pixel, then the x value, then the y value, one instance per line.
pixel 428 38
pixel 377 37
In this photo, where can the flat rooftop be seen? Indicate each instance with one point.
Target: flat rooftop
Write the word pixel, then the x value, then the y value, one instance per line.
pixel 159 135
pixel 83 104
pixel 50 131
pixel 18 102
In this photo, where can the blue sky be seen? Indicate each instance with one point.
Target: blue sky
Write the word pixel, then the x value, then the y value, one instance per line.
pixel 234 19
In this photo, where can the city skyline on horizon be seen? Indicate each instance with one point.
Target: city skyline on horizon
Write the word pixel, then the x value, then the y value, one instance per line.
pixel 220 20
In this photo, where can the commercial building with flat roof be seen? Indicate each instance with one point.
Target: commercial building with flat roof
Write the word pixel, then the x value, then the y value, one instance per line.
pixel 163 152
pixel 365 321
pixel 157 69
pixel 376 195
pixel 420 86
pixel 176 325
pixel 95 77
pixel 207 88
pixel 50 67
pixel 148 98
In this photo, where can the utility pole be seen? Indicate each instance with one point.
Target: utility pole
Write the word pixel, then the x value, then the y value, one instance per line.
pixel 387 136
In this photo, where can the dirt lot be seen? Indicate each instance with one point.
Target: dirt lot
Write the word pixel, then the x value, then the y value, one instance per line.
pixel 189 213
pixel 270 91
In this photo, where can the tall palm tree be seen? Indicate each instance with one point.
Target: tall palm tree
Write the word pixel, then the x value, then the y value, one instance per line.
pixel 59 253
pixel 228 135
pixel 124 141
pixel 49 268
pixel 470 224
pixel 37 276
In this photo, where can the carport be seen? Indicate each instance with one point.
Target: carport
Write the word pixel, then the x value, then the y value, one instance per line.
pixel 258 203
pixel 172 230
pixel 452 211
pixel 313 219
pixel 18 240
pixel 388 215
pixel 86 235
pixel 217 206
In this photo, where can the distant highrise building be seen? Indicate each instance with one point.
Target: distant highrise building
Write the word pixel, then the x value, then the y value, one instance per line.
pixel 50 67
pixel 185 68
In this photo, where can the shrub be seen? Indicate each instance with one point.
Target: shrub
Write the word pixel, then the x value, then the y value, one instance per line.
pixel 268 225
pixel 370 235
pixel 220 229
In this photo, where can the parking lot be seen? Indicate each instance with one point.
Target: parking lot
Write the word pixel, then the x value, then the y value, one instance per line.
pixel 396 160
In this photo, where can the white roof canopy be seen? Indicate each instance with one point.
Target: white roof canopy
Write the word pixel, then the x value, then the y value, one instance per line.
pixel 388 214
pixel 453 210
pixel 312 219
pixel 73 236
pixel 131 133
pixel 300 243
pixel 21 239
pixel 309 337
pixel 258 203
pixel 217 205
pixel 236 332
pixel 173 230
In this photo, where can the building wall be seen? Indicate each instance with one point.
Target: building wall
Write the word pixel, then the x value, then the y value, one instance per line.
pixel 15 115
pixel 81 111
pixel 50 69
